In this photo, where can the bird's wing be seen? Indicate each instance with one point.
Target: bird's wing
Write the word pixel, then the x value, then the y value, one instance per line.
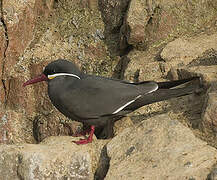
pixel 93 96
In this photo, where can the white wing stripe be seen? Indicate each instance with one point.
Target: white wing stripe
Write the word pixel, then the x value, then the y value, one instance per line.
pixel 63 74
pixel 125 105
pixel 153 90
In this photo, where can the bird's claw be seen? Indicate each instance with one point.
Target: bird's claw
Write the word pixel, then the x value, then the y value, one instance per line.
pixel 89 139
pixel 83 141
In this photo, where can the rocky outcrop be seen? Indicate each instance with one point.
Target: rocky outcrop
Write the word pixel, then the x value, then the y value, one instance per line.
pixel 184 51
pixel 156 148
pixel 52 30
pixel 18 21
pixel 159 148
pixel 133 40
pixel 149 23
pixel 54 158
pixel 209 120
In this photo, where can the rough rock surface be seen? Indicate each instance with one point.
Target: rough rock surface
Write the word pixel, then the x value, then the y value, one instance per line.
pixel 134 40
pixel 195 51
pixel 209 115
pixel 63 29
pixel 54 158
pixel 159 148
pixel 149 23
pixel 186 50
pixel 113 14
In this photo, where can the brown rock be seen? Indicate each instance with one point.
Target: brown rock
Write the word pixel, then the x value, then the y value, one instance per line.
pixel 208 74
pixel 122 124
pixel 154 23
pixel 53 123
pixel 17 24
pixel 15 128
pixel 209 116
pixel 3 46
pixel 75 35
pixel 191 54
pixel 113 13
pixel 159 148
pixel 4 129
pixel 137 19
pixel 20 21
pixel 142 67
pixel 186 50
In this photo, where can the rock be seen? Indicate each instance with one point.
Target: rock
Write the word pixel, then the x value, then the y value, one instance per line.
pixel 113 13
pixel 195 56
pixel 16 17
pixel 142 67
pixel 212 175
pixel 197 51
pixel 154 23
pixel 122 124
pixel 137 19
pixel 207 73
pixel 17 25
pixel 15 128
pixel 200 103
pixel 159 148
pixel 52 30
pixel 54 158
pixel 184 51
pixel 209 115
pixel 53 124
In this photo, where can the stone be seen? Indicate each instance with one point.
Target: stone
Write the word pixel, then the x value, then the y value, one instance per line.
pixel 197 55
pixel 50 33
pixel 113 13
pixel 54 158
pixel 185 50
pixel 159 148
pixel 155 23
pixel 137 19
pixel 207 73
pixel 17 16
pixel 53 123
pixel 209 120
pixel 122 124
pixel 142 67
pixel 15 128
pixel 18 20
pixel 212 175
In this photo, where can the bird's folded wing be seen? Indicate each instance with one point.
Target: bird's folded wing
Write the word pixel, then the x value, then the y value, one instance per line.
pixel 95 97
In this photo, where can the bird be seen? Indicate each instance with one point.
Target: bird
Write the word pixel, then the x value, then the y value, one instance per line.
pixel 98 101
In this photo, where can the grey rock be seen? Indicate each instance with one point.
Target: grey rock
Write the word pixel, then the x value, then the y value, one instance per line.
pixel 159 148
pixel 54 158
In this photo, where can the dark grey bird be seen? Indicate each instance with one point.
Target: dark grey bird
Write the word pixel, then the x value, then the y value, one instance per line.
pixel 97 101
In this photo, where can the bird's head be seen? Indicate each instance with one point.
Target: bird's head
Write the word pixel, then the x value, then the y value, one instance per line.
pixel 56 68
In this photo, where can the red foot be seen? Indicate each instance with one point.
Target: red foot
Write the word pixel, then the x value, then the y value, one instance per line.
pixel 89 139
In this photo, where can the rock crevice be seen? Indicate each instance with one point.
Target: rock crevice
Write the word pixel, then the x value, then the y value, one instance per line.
pixel 6 43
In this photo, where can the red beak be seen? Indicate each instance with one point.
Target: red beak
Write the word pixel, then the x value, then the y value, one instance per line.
pixel 39 78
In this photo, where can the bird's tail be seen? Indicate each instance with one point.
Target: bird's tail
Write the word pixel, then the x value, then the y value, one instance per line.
pixel 164 93
pixel 170 84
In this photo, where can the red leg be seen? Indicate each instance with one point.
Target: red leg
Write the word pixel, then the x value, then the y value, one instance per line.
pixel 89 139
